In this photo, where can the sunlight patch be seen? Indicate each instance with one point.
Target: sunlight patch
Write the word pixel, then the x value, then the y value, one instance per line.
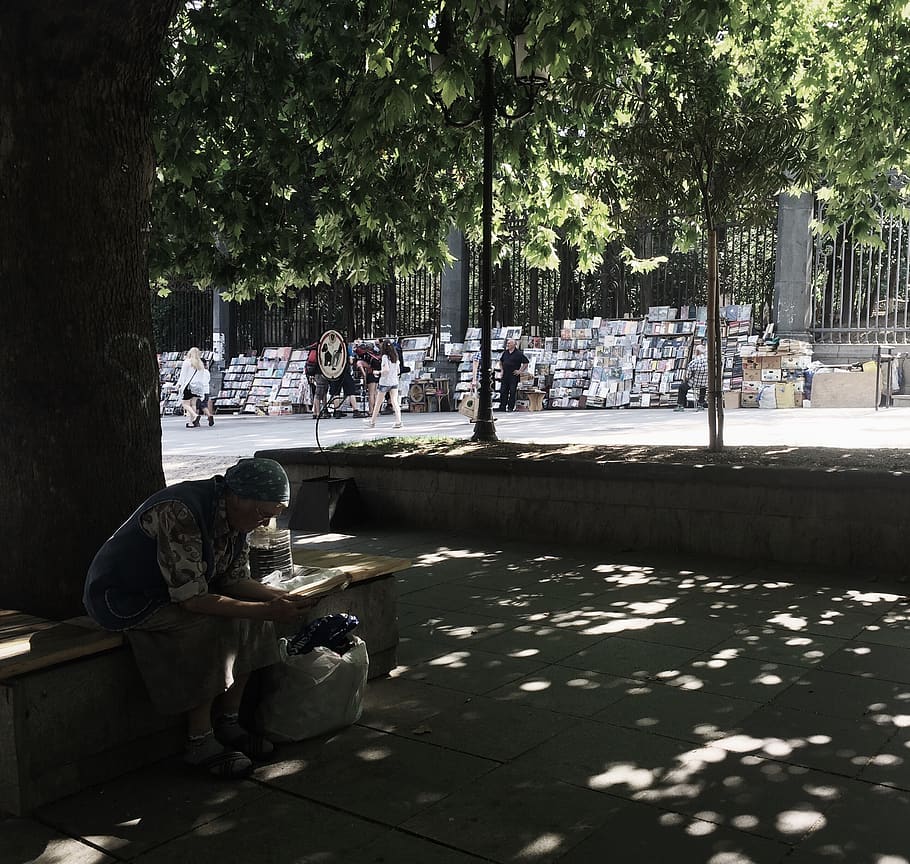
pixel 798 822
pixel 623 774
pixel 740 743
pixel 374 754
pixel 543 845
pixel 791 622
pixel 745 822
pixel 626 624
pixel 455 660
pixel 535 686
pixel 700 829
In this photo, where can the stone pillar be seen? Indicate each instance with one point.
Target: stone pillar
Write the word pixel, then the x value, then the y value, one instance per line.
pixel 453 288
pixel 792 268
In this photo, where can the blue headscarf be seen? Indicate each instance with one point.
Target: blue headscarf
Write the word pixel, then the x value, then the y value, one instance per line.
pixel 259 480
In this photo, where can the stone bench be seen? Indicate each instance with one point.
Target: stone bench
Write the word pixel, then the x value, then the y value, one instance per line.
pixel 74 711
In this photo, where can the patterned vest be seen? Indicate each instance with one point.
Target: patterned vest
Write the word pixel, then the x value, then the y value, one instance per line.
pixel 124 585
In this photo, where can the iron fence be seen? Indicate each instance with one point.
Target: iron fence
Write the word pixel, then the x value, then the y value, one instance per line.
pixel 860 293
pixel 537 300
pixel 182 319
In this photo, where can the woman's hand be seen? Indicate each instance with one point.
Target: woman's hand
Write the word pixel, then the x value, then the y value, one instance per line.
pixel 287 607
pixel 271 607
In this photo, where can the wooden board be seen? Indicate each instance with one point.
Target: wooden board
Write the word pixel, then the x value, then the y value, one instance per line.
pixel 360 566
pixel 325 581
pixel 28 643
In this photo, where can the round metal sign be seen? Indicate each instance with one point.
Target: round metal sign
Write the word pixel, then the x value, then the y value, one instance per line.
pixel 332 354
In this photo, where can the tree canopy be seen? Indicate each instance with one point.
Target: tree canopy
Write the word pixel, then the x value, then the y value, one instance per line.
pixel 300 141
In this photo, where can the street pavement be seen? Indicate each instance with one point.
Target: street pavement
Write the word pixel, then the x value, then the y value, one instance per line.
pixel 242 435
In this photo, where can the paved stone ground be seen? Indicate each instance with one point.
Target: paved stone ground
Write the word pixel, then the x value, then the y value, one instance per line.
pixel 564 705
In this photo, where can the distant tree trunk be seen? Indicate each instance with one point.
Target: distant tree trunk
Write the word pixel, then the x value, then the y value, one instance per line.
pixel 81 442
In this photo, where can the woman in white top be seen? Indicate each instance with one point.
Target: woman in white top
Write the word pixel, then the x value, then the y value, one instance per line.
pixel 388 383
pixel 196 377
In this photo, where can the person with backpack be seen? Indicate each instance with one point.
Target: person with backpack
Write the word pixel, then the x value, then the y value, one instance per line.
pixel 368 359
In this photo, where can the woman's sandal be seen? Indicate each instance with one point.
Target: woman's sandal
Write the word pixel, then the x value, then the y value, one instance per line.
pixel 228 764
pixel 190 425
pixel 254 746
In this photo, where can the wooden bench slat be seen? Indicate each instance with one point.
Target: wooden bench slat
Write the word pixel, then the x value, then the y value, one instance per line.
pixel 358 565
pixel 15 624
pixel 50 645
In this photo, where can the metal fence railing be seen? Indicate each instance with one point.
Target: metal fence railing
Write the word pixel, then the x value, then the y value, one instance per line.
pixel 536 300
pixel 860 293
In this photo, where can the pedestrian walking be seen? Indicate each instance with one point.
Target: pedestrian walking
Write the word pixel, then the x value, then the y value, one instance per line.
pixel 193 384
pixel 389 373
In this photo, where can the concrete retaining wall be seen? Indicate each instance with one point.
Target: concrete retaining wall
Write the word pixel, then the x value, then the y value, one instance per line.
pixel 841 519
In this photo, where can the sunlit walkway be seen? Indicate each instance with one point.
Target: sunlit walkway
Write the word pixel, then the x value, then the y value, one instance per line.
pixel 571 706
pixel 809 427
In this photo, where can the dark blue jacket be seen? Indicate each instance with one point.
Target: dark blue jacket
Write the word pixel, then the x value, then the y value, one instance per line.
pixel 124 584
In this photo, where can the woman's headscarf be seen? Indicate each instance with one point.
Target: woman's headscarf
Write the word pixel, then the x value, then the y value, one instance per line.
pixel 259 480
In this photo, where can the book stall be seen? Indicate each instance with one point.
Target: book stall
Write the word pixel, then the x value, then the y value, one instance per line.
pixel 534 384
pixel 776 373
pixel 592 363
pixel 423 389
pixel 612 363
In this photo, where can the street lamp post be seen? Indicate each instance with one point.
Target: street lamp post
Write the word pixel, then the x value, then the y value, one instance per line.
pixel 484 428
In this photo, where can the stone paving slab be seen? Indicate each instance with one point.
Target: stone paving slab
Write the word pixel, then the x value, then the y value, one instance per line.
pixel 641 833
pixel 276 828
pixel 510 815
pixel 127 819
pixel 570 692
pixel 578 706
pixel 382 777
pixel 25 841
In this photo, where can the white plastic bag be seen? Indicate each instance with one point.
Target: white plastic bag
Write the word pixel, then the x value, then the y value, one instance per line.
pixel 767 397
pixel 305 695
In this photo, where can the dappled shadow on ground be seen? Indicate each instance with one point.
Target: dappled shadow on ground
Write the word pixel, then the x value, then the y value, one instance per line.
pixel 578 706
pixel 810 458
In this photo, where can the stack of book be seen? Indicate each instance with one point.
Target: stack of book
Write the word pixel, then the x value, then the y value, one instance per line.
pixel 578 340
pixel 236 383
pixel 614 364
pixel 266 384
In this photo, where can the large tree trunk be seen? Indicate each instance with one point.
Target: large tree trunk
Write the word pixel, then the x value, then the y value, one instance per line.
pixel 81 442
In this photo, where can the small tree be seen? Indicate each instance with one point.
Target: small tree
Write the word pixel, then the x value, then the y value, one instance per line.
pixel 701 131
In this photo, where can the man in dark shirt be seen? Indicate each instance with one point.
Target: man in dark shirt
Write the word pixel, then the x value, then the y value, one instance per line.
pixel 512 363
